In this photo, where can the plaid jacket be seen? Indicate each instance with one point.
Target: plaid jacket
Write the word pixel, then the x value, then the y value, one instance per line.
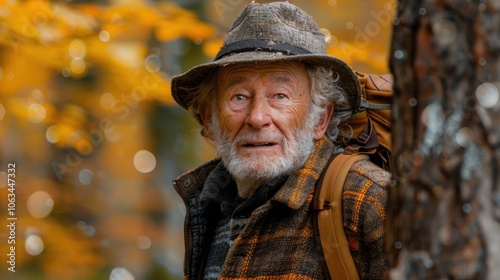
pixel 278 241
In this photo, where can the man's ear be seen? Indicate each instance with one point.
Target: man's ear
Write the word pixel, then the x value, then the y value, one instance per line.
pixel 320 128
pixel 206 120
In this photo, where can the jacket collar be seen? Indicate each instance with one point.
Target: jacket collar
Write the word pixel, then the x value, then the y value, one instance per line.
pixel 301 182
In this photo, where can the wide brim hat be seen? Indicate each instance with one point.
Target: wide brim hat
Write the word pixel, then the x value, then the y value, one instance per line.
pixel 273 32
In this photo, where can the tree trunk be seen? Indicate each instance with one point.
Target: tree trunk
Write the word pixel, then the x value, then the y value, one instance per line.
pixel 444 216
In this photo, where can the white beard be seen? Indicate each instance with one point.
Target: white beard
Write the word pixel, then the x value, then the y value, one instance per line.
pixel 257 170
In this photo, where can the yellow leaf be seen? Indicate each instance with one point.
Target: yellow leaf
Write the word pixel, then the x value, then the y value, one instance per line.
pixel 167 31
pixel 197 30
pixel 212 47
pixel 144 16
pixel 21 71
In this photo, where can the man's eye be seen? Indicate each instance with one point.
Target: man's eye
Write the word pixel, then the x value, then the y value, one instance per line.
pixel 239 97
pixel 280 96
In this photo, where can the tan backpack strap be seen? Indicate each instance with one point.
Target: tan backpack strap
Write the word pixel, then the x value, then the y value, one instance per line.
pixel 328 200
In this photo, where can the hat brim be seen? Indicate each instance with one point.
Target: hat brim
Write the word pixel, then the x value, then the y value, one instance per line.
pixel 348 79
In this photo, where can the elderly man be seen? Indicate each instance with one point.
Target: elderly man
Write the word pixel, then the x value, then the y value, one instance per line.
pixel 273 103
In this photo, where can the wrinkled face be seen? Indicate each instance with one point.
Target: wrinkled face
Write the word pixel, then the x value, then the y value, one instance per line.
pixel 260 123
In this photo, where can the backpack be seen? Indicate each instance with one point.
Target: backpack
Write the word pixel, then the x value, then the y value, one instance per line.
pixel 371 126
pixel 371 138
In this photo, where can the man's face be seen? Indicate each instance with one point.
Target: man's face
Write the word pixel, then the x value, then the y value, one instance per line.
pixel 260 125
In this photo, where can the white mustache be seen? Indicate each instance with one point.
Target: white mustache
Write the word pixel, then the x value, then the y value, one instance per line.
pixel 259 137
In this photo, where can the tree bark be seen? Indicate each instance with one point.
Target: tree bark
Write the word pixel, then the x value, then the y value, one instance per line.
pixel 444 217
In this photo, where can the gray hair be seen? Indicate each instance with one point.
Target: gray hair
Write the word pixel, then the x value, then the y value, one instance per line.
pixel 203 96
pixel 324 91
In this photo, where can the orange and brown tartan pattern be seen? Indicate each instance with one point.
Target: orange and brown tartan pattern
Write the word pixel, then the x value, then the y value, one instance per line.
pixel 278 241
pixel 364 210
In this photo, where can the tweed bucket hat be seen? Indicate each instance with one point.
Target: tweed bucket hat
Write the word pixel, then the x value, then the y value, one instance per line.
pixel 272 32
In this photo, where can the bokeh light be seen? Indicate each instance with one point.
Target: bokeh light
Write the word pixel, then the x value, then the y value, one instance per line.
pixel 412 102
pixel 433 115
pixel 78 65
pixel 464 136
pixel 113 135
pixel 107 101
pixel 77 49
pixel 34 245
pixel 399 54
pixel 446 31
pixel 152 63
pixel 144 161
pixel 487 95
pixel 40 204
pixel 37 94
pixel 85 176
pixel 327 34
pixel 52 134
pixel 120 273
pixel 66 72
pixel 143 242
pixel 36 113
pixel 104 36
pixel 86 229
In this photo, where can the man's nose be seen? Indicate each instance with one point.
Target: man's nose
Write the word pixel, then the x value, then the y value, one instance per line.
pixel 259 113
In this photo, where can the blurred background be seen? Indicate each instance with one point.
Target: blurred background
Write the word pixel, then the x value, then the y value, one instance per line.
pixel 87 118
